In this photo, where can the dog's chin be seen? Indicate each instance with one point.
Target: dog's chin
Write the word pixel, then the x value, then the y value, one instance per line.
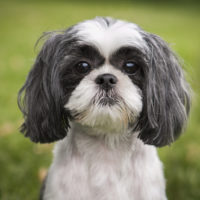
pixel 107 101
pixel 109 116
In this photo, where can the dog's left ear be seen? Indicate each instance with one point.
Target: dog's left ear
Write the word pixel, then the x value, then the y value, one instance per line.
pixel 40 99
pixel 166 95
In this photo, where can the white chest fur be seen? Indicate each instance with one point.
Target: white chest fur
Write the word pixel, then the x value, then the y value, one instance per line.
pixel 85 168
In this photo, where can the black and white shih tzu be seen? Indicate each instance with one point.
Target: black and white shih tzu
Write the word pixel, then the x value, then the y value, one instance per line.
pixel 111 93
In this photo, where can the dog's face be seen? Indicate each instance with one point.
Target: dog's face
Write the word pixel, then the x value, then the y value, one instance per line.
pixel 110 75
pixel 107 60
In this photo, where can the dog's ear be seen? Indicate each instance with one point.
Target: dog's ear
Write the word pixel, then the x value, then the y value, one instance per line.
pixel 40 99
pixel 166 95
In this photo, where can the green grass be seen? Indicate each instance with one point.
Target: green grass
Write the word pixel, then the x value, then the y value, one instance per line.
pixel 23 163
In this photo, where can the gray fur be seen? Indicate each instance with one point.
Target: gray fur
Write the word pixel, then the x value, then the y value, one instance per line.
pixel 166 95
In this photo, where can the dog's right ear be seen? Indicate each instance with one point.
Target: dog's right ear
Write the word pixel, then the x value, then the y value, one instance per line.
pixel 40 99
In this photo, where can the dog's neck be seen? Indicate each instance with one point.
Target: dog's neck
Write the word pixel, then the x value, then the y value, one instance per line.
pixel 111 140
pixel 88 143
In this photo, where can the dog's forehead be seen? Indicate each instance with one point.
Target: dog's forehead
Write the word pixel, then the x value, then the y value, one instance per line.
pixel 108 35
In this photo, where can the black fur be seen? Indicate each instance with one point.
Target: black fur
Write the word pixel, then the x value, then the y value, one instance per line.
pixel 42 189
pixel 166 95
pixel 46 120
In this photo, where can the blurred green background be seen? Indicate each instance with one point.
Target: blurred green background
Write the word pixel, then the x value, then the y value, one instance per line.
pixel 24 164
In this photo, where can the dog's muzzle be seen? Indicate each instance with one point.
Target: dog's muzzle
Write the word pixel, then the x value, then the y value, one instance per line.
pixel 107 83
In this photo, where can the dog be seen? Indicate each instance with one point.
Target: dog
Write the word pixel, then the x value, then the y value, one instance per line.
pixel 111 93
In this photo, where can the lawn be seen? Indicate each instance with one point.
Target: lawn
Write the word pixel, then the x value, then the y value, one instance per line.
pixel 24 164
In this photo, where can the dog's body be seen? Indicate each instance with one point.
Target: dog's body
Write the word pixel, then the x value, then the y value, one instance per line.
pixel 117 91
pixel 85 167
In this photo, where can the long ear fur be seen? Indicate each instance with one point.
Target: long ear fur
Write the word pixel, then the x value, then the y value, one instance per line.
pixel 166 95
pixel 40 99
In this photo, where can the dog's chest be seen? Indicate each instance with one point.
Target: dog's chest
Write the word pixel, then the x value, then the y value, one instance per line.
pixel 105 175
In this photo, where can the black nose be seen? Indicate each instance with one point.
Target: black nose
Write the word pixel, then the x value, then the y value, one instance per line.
pixel 106 81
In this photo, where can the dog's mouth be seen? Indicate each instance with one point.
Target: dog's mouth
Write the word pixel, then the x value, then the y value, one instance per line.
pixel 106 98
pixel 107 101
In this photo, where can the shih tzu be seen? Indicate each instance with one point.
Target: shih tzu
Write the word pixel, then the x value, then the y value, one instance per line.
pixel 111 93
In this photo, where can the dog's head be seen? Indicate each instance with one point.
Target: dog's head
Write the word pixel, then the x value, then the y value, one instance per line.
pixel 108 74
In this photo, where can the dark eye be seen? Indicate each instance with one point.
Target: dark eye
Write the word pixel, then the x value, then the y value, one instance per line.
pixel 83 67
pixel 130 67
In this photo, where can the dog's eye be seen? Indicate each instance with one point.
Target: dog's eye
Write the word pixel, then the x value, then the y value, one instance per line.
pixel 83 67
pixel 130 67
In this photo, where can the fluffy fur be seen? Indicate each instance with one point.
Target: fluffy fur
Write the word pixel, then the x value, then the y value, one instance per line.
pixel 110 92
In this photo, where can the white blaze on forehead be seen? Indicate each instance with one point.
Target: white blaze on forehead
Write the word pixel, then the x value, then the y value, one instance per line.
pixel 108 38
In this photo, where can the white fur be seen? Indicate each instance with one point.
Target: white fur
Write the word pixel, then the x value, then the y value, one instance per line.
pixel 108 39
pixel 85 168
